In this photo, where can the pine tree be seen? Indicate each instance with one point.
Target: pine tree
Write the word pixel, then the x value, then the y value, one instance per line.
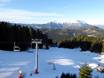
pixel 85 71
pixel 63 75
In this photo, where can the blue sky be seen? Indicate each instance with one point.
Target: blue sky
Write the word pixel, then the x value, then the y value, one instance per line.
pixel 42 11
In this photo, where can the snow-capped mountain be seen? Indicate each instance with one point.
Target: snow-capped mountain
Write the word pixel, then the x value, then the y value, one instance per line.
pixel 77 25
pixel 70 25
pixel 66 25
pixel 65 30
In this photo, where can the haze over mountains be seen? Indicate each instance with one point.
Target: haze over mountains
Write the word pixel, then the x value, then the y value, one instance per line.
pixel 70 25
pixel 65 30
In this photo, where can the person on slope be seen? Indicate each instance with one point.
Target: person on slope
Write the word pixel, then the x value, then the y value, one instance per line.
pixel 20 74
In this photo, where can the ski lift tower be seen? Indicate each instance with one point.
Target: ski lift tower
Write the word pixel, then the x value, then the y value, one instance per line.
pixel 37 42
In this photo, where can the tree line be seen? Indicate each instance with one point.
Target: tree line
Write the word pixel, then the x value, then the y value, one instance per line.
pixel 84 72
pixel 68 75
pixel 93 44
pixel 21 35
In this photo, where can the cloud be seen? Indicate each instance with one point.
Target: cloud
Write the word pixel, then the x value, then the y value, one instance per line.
pixel 4 2
pixel 22 16
pixel 96 21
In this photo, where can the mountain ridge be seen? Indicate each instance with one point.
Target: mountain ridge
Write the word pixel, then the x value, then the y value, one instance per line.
pixel 59 31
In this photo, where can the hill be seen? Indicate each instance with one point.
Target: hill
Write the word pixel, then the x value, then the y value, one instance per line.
pixel 62 31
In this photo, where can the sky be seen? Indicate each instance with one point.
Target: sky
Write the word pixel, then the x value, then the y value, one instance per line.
pixel 43 11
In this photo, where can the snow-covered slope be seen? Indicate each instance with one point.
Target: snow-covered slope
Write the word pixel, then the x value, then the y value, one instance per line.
pixel 65 60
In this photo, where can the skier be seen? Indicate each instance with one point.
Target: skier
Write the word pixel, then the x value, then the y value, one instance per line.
pixel 20 74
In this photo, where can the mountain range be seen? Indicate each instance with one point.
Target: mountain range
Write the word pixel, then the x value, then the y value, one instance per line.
pixel 60 31
pixel 70 25
pixel 63 31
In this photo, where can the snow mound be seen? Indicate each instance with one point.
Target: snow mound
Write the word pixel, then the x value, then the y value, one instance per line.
pixel 61 61
pixel 100 58
pixel 101 61
pixel 77 66
pixel 93 65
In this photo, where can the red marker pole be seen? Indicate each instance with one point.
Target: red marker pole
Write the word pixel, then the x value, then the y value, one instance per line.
pixel 20 74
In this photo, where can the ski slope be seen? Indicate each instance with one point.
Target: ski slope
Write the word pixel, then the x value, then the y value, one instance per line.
pixel 65 60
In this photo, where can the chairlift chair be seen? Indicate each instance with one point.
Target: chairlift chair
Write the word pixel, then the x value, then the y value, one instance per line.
pixel 16 48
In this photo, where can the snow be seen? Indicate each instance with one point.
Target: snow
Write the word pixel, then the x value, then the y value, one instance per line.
pixel 100 58
pixel 93 65
pixel 65 60
pixel 62 61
